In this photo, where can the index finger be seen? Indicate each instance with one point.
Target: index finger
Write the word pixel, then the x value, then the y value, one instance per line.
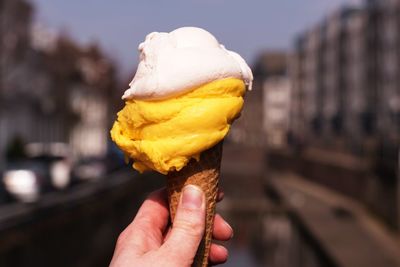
pixel 146 230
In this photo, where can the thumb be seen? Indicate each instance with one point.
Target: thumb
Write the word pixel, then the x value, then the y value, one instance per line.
pixel 188 227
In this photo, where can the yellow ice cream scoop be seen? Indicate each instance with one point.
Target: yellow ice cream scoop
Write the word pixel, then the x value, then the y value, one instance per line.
pixel 163 135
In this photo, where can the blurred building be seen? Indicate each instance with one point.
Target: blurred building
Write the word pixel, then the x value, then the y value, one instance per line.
pixel 250 129
pixel 51 89
pixel 345 111
pixel 276 91
pixel 15 18
pixel 88 85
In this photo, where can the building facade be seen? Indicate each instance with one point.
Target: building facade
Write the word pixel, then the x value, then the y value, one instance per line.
pixel 51 89
pixel 262 114
pixel 345 99
pixel 276 110
pixel 345 76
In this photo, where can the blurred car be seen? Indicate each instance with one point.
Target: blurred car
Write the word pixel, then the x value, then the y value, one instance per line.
pixel 25 180
pixel 56 157
pixel 58 170
pixel 91 168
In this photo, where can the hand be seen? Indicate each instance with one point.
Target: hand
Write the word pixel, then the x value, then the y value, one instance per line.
pixel 149 240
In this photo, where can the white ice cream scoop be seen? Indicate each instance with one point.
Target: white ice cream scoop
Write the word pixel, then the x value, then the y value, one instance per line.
pixel 176 62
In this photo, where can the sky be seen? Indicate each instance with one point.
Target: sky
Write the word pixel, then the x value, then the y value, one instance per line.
pixel 245 26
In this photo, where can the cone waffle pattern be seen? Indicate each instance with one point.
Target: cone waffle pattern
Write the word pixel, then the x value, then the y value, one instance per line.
pixel 204 174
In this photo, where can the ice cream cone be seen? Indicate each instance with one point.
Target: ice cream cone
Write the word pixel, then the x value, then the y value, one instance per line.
pixel 186 93
pixel 204 174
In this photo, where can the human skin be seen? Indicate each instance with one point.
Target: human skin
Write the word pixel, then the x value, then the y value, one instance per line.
pixel 150 241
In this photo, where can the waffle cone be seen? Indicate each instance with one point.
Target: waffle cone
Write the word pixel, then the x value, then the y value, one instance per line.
pixel 204 174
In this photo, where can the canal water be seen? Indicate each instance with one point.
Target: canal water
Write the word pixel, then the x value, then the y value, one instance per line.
pixel 244 205
pixel 264 233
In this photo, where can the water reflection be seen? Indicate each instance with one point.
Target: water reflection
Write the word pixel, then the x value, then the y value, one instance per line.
pixel 244 205
pixel 246 247
pixel 270 237
pixel 265 232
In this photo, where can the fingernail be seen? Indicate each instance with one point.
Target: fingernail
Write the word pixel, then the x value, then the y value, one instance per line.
pixel 192 197
pixel 223 249
pixel 227 225
pixel 230 227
